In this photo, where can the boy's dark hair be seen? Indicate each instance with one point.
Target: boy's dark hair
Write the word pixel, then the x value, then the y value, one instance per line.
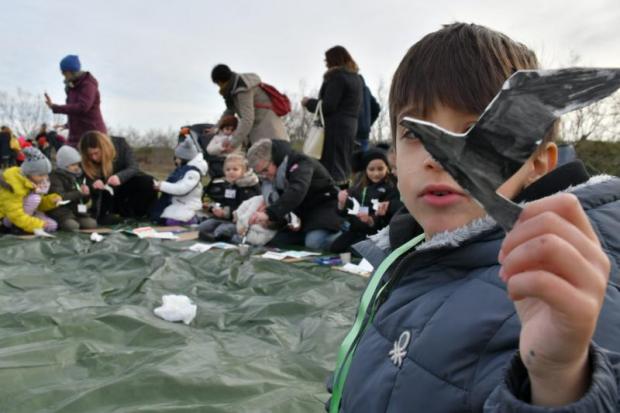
pixel 221 73
pixel 462 66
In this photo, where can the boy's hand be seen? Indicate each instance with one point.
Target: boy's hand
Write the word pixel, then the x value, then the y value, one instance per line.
pixel 84 190
pixel 557 274
pixel 218 212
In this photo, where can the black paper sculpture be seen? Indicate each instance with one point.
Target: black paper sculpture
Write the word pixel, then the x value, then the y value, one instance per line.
pixel 510 129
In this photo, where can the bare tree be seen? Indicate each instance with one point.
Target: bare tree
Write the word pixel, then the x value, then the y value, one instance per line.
pixel 298 121
pixel 24 112
pixel 599 121
pixel 381 128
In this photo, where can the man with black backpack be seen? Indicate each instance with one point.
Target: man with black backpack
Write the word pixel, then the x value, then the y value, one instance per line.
pixel 258 106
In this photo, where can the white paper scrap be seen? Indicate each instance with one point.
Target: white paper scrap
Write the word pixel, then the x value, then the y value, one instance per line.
pixel 176 308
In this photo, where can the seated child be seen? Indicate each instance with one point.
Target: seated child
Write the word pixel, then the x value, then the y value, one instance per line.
pixel 468 318
pixel 23 195
pixel 217 145
pixel 241 184
pixel 374 191
pixel 64 182
pixel 182 190
pixel 254 234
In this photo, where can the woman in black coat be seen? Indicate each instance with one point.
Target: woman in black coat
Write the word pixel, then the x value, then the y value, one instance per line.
pixel 341 98
pixel 116 182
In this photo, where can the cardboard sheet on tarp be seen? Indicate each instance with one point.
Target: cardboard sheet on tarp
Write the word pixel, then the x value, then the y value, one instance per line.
pixel 78 333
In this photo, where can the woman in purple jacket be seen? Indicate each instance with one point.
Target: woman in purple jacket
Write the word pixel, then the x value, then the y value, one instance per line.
pixel 83 100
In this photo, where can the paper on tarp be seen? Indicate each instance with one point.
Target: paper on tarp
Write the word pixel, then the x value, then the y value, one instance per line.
pixel 364 268
pixel 283 255
pixel 201 247
pixel 176 308
pixel 95 237
pixel 150 232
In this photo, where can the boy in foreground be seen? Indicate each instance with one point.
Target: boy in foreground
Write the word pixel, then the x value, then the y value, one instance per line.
pixel 471 318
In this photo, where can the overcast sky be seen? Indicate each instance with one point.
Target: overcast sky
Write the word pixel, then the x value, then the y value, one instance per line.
pixel 153 58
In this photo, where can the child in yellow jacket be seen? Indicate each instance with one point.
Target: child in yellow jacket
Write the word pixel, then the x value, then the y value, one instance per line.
pixel 23 195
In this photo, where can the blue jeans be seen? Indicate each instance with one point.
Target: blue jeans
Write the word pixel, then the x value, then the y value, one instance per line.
pixel 316 239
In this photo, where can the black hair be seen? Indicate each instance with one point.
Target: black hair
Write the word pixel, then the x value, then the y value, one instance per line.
pixel 221 73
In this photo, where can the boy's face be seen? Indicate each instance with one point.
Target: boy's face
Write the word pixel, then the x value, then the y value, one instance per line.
pixel 74 168
pixel 376 170
pixel 233 171
pixel 430 194
pixel 227 130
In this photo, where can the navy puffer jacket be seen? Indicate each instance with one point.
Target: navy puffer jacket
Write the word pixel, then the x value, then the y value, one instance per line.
pixel 446 338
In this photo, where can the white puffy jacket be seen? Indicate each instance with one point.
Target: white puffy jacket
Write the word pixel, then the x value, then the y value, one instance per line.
pixel 186 193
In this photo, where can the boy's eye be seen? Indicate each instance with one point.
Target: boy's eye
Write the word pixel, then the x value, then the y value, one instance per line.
pixel 407 134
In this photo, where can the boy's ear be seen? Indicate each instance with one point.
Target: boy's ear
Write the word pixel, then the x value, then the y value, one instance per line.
pixel 544 160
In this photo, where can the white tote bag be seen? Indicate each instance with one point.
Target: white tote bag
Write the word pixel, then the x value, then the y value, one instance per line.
pixel 313 145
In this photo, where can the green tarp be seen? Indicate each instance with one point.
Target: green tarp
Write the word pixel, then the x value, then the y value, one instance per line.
pixel 78 333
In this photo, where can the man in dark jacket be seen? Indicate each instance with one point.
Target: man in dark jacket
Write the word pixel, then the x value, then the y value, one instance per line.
pixel 295 183
pixel 83 100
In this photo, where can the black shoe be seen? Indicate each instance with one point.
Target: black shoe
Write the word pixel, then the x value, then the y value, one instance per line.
pixel 222 238
pixel 110 219
pixel 206 237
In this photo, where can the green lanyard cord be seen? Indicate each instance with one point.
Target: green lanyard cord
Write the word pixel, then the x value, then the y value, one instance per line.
pixel 364 195
pixel 349 344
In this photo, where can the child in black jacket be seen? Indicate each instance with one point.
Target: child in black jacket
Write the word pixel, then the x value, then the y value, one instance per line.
pixel 241 184
pixel 374 192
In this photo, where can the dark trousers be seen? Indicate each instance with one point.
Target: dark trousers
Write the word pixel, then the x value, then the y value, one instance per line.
pixel 132 199
pixel 345 240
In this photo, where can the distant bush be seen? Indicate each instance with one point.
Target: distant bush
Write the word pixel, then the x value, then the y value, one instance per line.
pixel 600 157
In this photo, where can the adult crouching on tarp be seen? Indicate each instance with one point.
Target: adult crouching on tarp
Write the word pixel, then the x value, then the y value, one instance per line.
pixel 83 100
pixel 341 100
pixel 117 185
pixel 245 98
pixel 295 183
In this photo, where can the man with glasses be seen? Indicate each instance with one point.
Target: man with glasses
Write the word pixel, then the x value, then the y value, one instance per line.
pixel 295 185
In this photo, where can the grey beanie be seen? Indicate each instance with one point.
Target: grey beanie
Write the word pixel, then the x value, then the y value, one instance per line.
pixel 67 155
pixel 186 150
pixel 36 163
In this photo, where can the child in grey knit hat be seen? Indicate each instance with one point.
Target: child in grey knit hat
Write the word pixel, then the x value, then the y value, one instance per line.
pixel 65 181
pixel 24 197
pixel 182 190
